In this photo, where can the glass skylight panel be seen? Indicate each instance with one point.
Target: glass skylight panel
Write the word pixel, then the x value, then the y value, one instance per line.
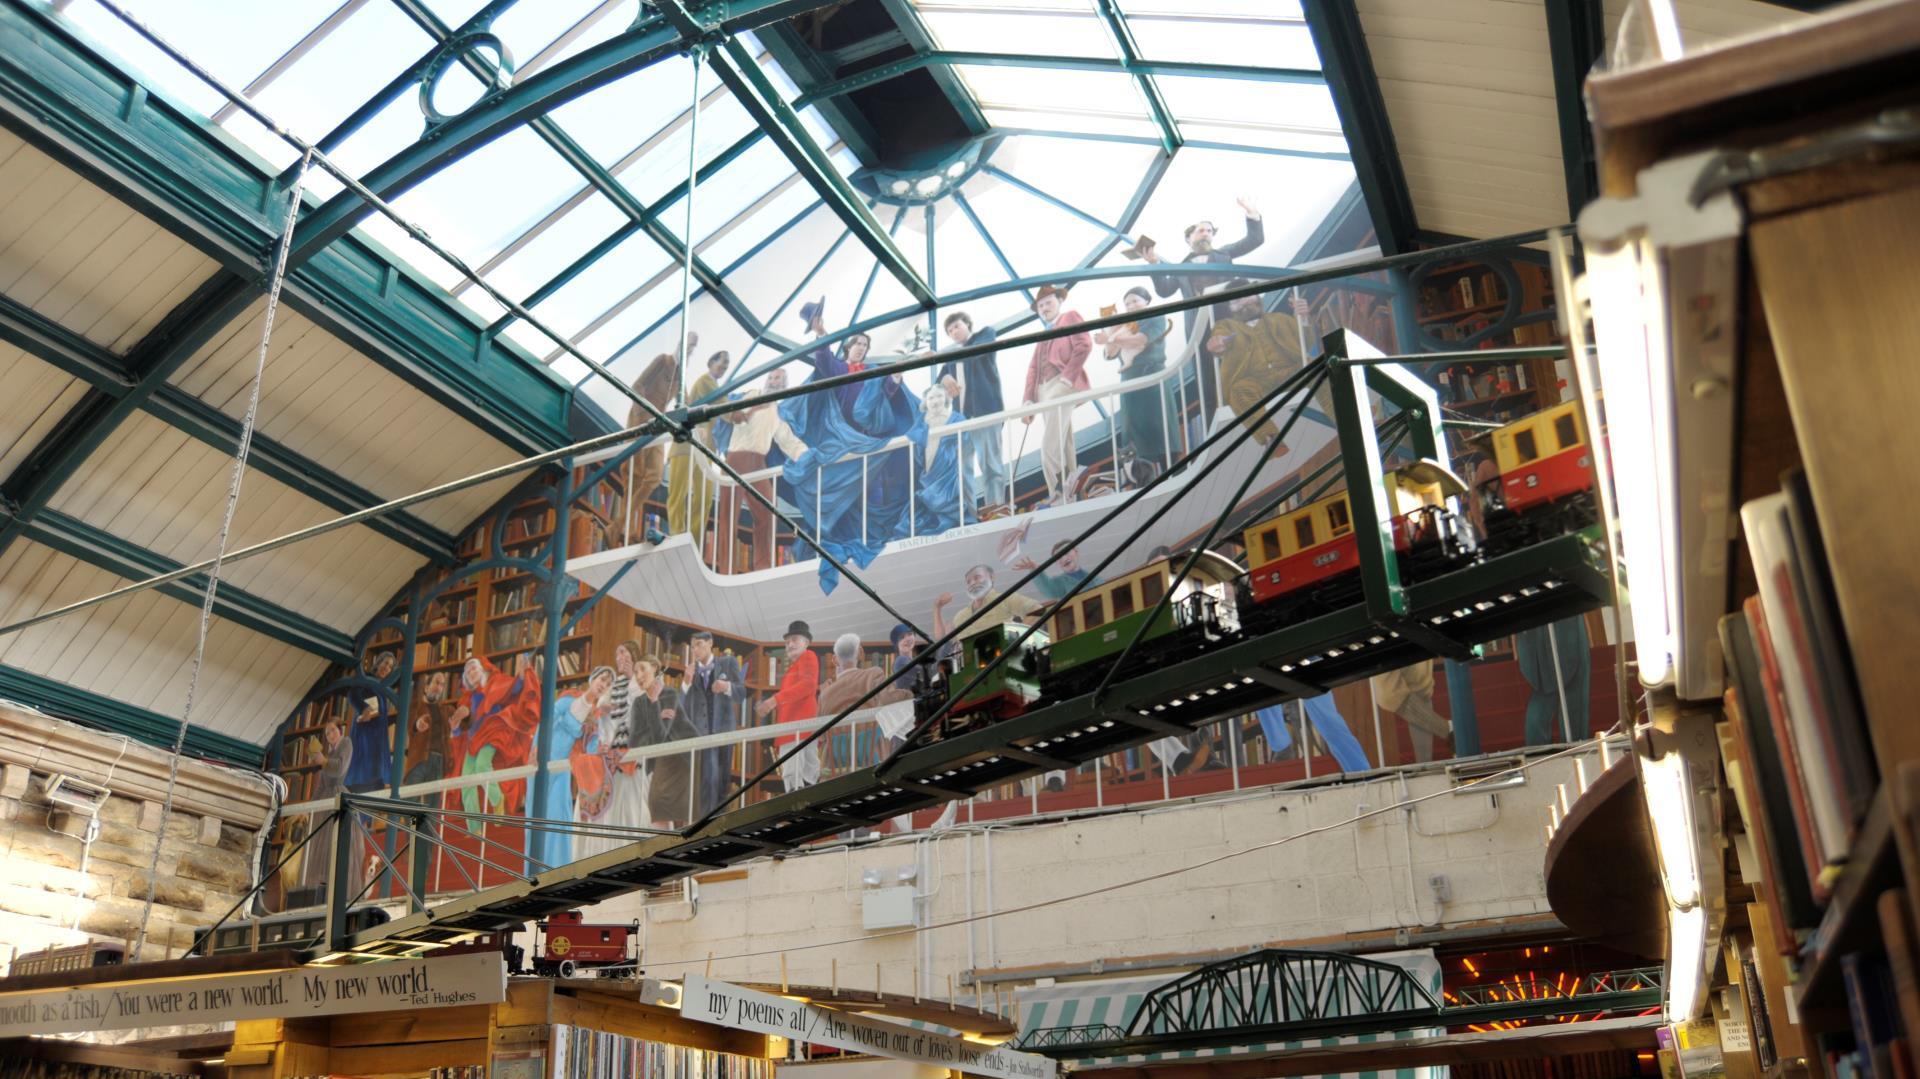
pixel 1086 122
pixel 1215 9
pixel 462 207
pixel 603 284
pixel 455 13
pixel 571 235
pixel 529 28
pixel 723 197
pixel 1253 139
pixel 612 120
pixel 1279 105
pixel 1096 177
pixel 1037 236
pixel 1067 6
pixel 1246 42
pixel 1038 90
pixel 977 29
pixel 201 29
pixel 345 69
pixel 758 224
pixel 662 165
pixel 962 256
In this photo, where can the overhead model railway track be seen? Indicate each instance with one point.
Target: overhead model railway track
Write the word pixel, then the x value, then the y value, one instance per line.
pixel 1542 583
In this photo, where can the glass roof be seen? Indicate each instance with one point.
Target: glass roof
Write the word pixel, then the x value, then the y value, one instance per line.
pixel 1075 144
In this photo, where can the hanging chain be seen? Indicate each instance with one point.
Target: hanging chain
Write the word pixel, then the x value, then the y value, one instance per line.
pixel 226 528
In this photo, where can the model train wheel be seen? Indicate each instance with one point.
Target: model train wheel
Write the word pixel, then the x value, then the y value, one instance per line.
pixel 567 968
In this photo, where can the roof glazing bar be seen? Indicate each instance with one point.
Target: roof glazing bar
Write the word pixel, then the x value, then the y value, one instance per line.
pixel 770 110
pixel 627 161
pixel 1130 54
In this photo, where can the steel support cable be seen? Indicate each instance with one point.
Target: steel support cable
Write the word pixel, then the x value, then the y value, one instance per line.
pixel 275 280
pixel 1246 423
pixel 1270 401
pixel 680 429
pixel 1213 533
pixel 1041 904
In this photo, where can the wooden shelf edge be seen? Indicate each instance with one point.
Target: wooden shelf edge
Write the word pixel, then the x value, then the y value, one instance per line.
pixel 1849 922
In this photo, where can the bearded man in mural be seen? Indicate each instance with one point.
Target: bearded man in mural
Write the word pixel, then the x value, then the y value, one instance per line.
pixel 828 483
pixel 503 712
pixel 1257 349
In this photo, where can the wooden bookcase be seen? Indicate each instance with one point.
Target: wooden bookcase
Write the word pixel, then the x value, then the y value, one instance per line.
pixel 1826 382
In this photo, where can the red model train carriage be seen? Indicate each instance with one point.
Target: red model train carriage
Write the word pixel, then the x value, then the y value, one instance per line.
pixel 570 947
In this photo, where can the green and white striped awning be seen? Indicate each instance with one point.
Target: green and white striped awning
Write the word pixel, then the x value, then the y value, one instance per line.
pixel 1115 1001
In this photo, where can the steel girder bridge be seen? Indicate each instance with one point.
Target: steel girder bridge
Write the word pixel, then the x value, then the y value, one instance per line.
pixel 1395 624
pixel 1281 995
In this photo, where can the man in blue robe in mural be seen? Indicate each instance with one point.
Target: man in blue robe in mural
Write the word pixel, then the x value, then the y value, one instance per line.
pixel 886 409
pixel 827 481
pixel 936 466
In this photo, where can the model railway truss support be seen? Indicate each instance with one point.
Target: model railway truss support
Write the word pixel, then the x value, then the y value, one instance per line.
pixel 1406 622
pixel 1283 995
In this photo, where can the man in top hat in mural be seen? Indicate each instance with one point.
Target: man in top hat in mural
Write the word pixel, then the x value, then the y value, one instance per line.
pixel 1058 368
pixel 1200 237
pixel 795 700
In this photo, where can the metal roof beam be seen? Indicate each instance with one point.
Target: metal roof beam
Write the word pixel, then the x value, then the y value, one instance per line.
pixel 1130 56
pixel 647 42
pixel 298 471
pixel 598 176
pixel 198 318
pixel 948 59
pixel 105 713
pixel 1576 35
pixel 1342 44
pixel 97 547
pixel 770 111
pixel 59 94
pixel 107 373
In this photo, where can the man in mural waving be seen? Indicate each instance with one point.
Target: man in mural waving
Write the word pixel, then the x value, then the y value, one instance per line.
pixel 1200 237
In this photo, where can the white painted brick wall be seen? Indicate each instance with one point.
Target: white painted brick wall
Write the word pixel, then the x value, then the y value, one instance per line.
pixel 1350 878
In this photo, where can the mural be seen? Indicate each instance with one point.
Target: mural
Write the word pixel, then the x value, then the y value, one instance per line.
pixel 500 688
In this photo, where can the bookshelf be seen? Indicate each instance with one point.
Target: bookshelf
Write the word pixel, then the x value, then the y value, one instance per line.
pixel 1498 303
pixel 1817 734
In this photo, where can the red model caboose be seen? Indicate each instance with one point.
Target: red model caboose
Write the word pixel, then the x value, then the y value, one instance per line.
pixel 569 946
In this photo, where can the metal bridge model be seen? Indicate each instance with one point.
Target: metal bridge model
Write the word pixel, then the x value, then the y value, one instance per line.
pixel 1394 625
pixel 1279 994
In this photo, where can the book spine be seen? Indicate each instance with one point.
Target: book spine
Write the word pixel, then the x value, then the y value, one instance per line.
pixel 1813 854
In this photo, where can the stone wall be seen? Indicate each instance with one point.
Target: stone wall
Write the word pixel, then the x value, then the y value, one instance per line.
pixel 58 889
pixel 1361 886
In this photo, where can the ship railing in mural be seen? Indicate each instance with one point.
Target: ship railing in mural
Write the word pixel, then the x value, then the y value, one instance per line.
pixel 917 484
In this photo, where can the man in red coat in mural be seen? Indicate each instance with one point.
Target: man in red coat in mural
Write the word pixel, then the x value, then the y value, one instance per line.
pixel 502 714
pixel 795 700
pixel 1058 368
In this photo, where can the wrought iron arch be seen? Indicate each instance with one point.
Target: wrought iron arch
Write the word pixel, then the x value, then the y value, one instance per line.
pixel 1277 989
